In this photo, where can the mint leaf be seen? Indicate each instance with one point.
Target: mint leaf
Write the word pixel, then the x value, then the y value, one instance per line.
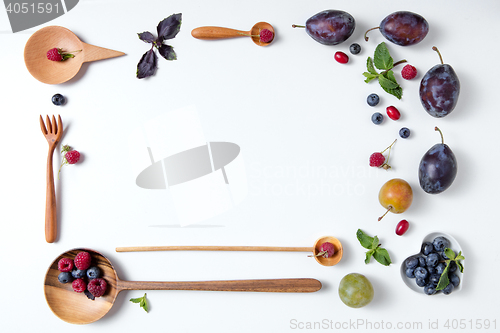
pixel 387 83
pixel 369 66
pixel 382 256
pixel 369 76
pixel 449 253
pixel 365 240
pixel 460 266
pixel 382 58
pixel 368 256
pixel 375 243
pixel 143 302
pixel 444 280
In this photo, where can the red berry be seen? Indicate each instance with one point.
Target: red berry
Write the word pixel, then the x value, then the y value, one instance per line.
pixel 266 35
pixel 79 285
pixel 341 57
pixel 97 287
pixel 65 265
pixel 393 113
pixel 402 227
pixel 326 250
pixel 377 160
pixel 82 260
pixel 408 72
pixel 72 156
pixel 54 55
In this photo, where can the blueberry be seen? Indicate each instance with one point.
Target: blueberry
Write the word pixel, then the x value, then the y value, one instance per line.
pixel 440 268
pixel 448 289
pixel 58 99
pixel 421 282
pixel 93 272
pixel 431 270
pixel 64 277
pixel 432 260
pixel 454 279
pixel 78 274
pixel 355 48
pixel 421 261
pixel 372 99
pixel 453 267
pixel 420 273
pixel 404 133
pixel 440 243
pixel 377 118
pixel 444 256
pixel 411 262
pixel 434 279
pixel 429 289
pixel 410 272
pixel 427 248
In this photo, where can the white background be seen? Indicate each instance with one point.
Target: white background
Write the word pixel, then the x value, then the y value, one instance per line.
pixel 295 113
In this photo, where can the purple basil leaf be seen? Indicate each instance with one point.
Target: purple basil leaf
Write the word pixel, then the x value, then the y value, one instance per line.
pixel 147 65
pixel 167 52
pixel 147 37
pixel 169 27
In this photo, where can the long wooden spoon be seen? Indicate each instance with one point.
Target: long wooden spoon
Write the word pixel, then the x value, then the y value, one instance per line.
pixel 55 72
pixel 315 249
pixel 76 308
pixel 211 33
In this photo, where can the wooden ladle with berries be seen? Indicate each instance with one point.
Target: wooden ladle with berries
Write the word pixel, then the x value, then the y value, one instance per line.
pixel 262 33
pixel 66 57
pixel 326 250
pixel 76 308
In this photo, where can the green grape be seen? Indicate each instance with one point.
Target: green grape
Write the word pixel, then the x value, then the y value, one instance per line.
pixel 355 290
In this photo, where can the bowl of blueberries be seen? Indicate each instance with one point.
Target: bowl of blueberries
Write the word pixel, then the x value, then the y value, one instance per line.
pixel 421 272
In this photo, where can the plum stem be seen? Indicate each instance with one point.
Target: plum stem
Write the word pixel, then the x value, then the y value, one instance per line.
pixel 366 37
pixel 297 26
pixel 387 211
pixel 439 53
pixel 442 138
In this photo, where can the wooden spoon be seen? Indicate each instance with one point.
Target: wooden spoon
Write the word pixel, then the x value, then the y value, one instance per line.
pixel 76 308
pixel 211 33
pixel 315 250
pixel 55 72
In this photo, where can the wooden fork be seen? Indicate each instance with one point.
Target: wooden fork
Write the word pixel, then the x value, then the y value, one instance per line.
pixel 53 133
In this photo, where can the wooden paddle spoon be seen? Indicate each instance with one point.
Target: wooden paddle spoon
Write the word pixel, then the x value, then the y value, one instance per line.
pixel 76 308
pixel 55 72
pixel 212 33
pixel 331 261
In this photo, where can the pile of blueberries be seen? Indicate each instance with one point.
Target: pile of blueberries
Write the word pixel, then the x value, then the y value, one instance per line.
pixel 426 268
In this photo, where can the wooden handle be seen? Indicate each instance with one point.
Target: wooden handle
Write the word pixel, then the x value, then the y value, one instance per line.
pixel 213 248
pixel 209 33
pixel 94 53
pixel 50 202
pixel 304 285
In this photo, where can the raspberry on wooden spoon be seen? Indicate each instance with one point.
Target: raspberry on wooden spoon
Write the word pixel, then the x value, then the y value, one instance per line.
pixel 326 250
pixel 56 54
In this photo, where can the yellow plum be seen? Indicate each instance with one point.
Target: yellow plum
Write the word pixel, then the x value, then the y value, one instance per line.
pixel 396 196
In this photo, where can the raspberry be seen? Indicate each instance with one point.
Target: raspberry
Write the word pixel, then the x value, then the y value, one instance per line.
pixel 72 156
pixel 266 36
pixel 97 287
pixel 54 55
pixel 79 285
pixel 82 259
pixel 408 72
pixel 65 265
pixel 377 160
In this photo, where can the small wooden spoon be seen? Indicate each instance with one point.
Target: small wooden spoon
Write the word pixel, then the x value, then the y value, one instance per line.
pixel 55 72
pixel 315 250
pixel 76 308
pixel 211 33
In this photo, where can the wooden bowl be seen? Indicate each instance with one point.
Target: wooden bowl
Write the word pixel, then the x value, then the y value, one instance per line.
pixel 337 256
